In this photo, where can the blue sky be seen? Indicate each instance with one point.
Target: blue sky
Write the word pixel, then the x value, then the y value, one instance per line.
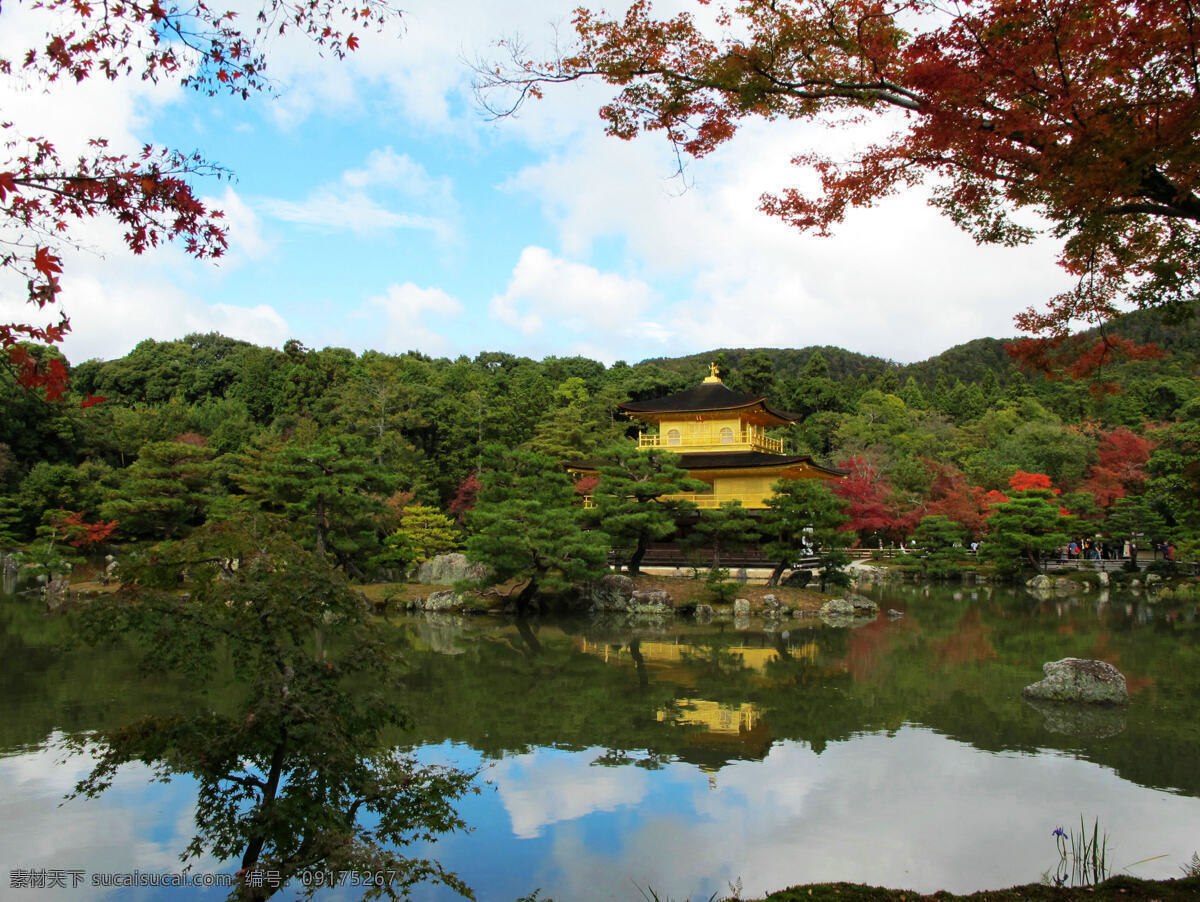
pixel 374 207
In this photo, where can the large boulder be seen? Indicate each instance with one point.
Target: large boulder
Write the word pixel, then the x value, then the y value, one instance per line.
pixel 651 601
pixel 797 578
pixel 1040 583
pixel 774 607
pixel 448 569
pixel 1080 680
pixel 741 607
pixel 853 610
pixel 612 592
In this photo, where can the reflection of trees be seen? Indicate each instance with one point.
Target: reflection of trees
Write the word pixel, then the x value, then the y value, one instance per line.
pixel 498 698
pixel 293 776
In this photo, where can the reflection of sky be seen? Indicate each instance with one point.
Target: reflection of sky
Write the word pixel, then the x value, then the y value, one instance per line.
pixel 136 825
pixel 914 809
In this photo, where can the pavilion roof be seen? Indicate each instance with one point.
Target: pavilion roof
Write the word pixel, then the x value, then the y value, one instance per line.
pixel 738 460
pixel 708 397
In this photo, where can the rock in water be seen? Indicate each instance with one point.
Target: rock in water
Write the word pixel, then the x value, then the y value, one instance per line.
pixel 741 607
pixel 651 601
pixel 1080 680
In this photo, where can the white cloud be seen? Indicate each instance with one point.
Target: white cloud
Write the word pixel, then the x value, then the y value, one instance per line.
pixel 743 278
pixel 347 204
pixel 384 167
pixel 548 290
pixel 246 240
pixel 354 211
pixel 406 308
pixel 548 787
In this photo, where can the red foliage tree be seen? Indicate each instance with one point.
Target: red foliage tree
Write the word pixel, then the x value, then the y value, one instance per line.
pixel 69 527
pixel 1084 111
pixel 43 198
pixel 1021 481
pixel 1123 456
pixel 464 498
pixel 952 495
pixel 870 507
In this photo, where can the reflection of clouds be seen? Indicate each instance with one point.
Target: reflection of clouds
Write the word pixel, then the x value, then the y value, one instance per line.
pixel 549 786
pixel 135 825
pixel 914 810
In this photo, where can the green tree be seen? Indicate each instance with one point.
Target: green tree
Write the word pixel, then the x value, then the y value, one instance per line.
pixel 629 504
pixel 326 483
pixel 755 375
pixel 295 764
pixel 582 422
pixel 1132 520
pixel 526 526
pixel 804 517
pixel 1023 529
pixel 167 490
pixel 725 528
pixel 940 540
pixel 424 533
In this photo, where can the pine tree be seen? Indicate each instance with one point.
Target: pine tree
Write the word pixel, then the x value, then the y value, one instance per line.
pixel 424 533
pixel 1023 528
pixel 166 490
pixel 527 527
pixel 629 504
pixel 940 540
pixel 327 483
pixel 804 517
pixel 725 528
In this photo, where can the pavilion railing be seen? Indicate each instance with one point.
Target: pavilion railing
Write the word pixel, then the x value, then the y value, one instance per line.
pixel 706 501
pixel 754 439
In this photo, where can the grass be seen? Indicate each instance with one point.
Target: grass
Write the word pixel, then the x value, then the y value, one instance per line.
pixel 1083 860
pixel 1116 889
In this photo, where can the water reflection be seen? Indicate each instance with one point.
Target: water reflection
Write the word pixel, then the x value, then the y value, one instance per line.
pixel 686 757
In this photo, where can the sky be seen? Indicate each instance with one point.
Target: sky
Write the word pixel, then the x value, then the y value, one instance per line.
pixel 372 205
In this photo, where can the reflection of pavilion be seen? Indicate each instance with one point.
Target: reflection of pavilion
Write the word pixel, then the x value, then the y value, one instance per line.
pixel 713 732
pixel 669 653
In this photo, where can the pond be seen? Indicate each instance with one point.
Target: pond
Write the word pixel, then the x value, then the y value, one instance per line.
pixel 623 757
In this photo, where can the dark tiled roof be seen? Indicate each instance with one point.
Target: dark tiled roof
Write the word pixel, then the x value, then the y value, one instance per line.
pixel 706 396
pixel 732 460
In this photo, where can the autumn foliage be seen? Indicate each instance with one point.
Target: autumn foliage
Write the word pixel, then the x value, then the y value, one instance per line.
pixel 1082 111
pixel 870 507
pixel 70 527
pixel 150 191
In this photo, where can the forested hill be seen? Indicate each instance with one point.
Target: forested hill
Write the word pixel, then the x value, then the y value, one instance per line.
pixel 198 427
pixel 969 362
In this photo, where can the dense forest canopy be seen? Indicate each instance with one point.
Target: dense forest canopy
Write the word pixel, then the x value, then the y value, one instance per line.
pixel 343 444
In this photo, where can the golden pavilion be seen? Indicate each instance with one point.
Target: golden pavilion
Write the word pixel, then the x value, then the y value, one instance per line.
pixel 721 437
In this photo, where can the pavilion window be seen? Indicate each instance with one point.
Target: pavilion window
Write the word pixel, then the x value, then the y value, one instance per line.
pixel 726 436
pixel 672 436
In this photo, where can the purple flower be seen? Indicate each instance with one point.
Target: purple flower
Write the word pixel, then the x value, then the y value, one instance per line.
pixel 1058 831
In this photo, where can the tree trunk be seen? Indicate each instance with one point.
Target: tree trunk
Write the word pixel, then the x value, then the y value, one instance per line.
pixel 773 580
pixel 635 559
pixel 257 841
pixel 322 523
pixel 526 596
pixel 639 663
pixel 525 631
